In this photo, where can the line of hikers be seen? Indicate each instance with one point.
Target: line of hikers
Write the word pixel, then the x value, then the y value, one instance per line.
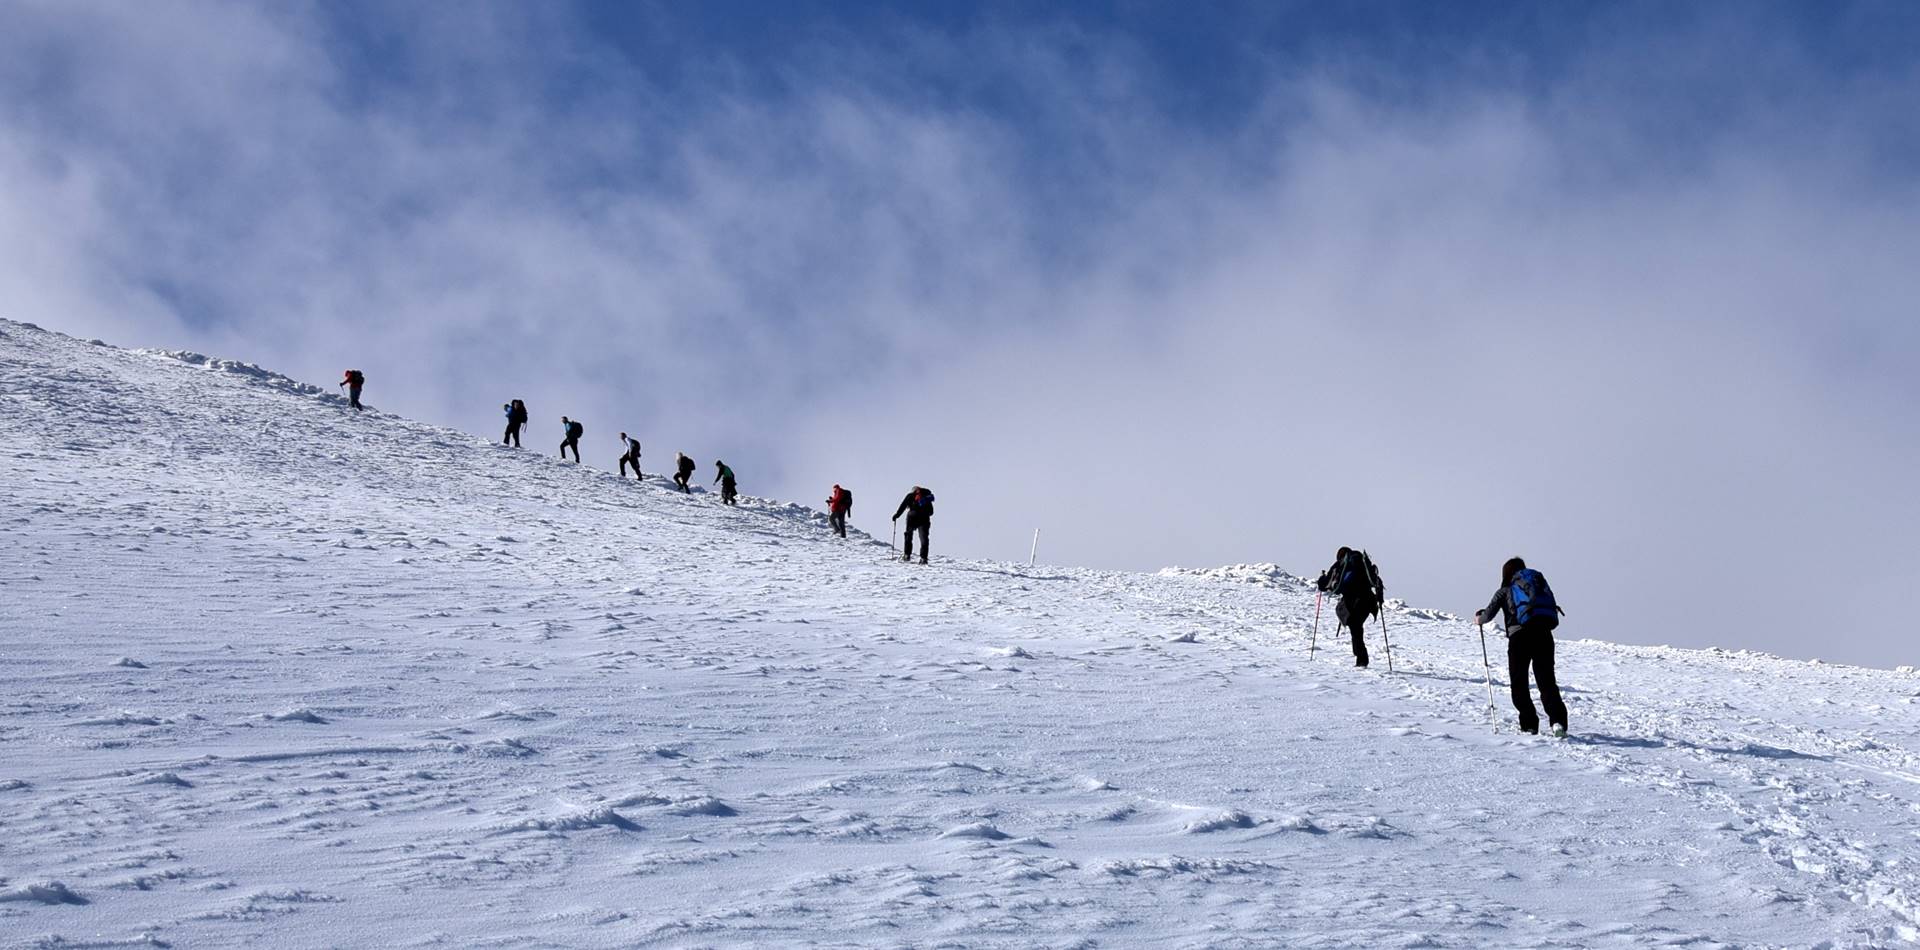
pixel 917 505
pixel 1523 603
pixel 572 429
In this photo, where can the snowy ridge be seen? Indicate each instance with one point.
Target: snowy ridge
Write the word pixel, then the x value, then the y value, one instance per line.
pixel 272 664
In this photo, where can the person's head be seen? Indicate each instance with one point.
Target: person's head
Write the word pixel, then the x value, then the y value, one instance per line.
pixel 623 437
pixel 1513 566
pixel 564 419
pixel 1341 554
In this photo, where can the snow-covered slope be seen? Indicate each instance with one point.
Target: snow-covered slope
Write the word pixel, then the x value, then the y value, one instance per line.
pixel 275 672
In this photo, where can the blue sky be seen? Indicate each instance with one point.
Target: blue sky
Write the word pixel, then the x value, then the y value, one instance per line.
pixel 1626 288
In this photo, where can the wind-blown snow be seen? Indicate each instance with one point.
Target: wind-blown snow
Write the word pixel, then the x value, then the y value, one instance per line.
pixel 273 667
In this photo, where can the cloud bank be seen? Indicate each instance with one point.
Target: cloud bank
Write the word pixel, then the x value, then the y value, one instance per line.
pixel 1633 300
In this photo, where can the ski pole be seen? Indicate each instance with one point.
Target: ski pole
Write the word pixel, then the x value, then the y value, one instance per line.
pixel 1383 637
pixel 1315 640
pixel 1488 665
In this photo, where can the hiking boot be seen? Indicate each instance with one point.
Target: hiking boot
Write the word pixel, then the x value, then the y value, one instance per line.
pixel 1559 730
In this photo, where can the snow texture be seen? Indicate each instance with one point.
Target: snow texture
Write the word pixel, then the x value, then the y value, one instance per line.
pixel 282 673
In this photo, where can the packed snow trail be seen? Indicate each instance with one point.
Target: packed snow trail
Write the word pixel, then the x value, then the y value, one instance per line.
pixel 279 673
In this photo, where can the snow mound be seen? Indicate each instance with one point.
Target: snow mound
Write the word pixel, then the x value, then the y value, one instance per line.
pixel 980 829
pixel 580 820
pixel 296 715
pixel 252 372
pixel 1262 575
pixel 45 892
pixel 1222 822
pixel 710 807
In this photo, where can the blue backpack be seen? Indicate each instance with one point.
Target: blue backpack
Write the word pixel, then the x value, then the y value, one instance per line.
pixel 1532 599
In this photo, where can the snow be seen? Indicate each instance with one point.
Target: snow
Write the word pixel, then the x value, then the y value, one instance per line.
pixel 279 672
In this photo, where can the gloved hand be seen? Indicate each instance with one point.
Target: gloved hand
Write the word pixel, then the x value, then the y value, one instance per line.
pixel 1479 619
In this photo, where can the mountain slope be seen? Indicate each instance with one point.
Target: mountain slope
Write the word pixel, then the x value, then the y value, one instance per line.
pixel 276 672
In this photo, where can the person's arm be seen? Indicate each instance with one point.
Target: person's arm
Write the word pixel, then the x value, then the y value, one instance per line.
pixel 1493 607
pixel 904 502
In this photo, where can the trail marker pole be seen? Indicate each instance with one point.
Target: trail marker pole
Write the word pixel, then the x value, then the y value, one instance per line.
pixel 1315 641
pixel 1035 550
pixel 1488 666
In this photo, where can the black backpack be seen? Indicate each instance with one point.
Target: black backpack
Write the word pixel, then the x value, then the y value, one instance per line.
pixel 846 498
pixel 1360 579
pixel 356 378
pixel 575 429
pixel 519 412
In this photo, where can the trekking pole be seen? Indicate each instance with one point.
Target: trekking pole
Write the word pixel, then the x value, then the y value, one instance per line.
pixel 1315 640
pixel 893 538
pixel 1383 637
pixel 1488 666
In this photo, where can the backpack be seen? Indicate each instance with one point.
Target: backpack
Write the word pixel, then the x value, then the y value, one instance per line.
pixel 575 429
pixel 518 413
pixel 356 378
pixel 1360 578
pixel 846 501
pixel 925 504
pixel 1532 599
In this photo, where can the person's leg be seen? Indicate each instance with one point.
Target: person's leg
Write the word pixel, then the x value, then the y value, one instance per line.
pixel 1543 677
pixel 926 544
pixel 1519 658
pixel 1356 630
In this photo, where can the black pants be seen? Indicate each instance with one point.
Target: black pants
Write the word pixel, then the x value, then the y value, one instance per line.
pixel 1357 627
pixel 728 492
pixel 680 479
pixel 513 435
pixel 353 395
pixel 1530 646
pixel 626 460
pixel 924 526
pixel 573 444
pixel 838 520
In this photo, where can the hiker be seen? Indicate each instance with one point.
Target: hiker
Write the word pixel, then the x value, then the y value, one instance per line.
pixel 353 380
pixel 1526 607
pixel 683 472
pixel 728 487
pixel 1355 579
pixel 630 457
pixel 570 432
pixel 516 417
pixel 839 505
pixel 918 507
